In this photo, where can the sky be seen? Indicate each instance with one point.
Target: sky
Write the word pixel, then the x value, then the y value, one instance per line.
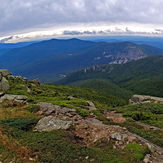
pixel 26 20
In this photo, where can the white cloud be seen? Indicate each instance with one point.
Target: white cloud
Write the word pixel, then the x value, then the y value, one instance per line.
pixel 85 31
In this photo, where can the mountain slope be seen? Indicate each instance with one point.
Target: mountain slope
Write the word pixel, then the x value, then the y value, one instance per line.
pixel 143 76
pixel 48 60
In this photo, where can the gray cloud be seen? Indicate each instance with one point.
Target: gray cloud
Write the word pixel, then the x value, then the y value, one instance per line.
pixel 28 15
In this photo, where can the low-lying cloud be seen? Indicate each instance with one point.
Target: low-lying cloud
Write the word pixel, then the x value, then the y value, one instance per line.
pixel 81 32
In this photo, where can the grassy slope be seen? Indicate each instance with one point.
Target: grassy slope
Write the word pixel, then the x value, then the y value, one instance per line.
pixel 16 123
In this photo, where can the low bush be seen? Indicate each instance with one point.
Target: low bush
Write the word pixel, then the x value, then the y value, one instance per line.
pixel 22 123
pixel 83 112
pixel 33 108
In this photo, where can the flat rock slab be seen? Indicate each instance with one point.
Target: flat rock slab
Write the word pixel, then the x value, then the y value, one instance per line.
pixel 143 99
pixel 52 123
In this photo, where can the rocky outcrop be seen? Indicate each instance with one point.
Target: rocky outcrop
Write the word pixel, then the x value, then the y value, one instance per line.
pixel 62 113
pixel 52 123
pixel 36 81
pixel 5 73
pixel 135 99
pixel 19 98
pixel 118 136
pixel 4 84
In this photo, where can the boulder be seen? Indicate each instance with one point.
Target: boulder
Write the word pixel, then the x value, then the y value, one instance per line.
pixel 4 84
pixel 143 99
pixel 91 106
pixel 19 98
pixel 48 109
pixel 5 72
pixel 36 81
pixel 52 123
pixel 1 76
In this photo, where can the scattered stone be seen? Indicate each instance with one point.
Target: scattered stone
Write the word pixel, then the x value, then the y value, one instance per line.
pixel 87 157
pixel 93 121
pixel 114 117
pixel 71 98
pixel 52 123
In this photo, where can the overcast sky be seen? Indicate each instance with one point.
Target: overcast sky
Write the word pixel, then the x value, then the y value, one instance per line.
pixel 24 19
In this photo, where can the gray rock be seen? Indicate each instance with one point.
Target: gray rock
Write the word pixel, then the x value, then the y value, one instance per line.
pixel 146 159
pixel 36 81
pixel 1 76
pixel 19 98
pixel 151 147
pixel 2 94
pixel 4 84
pixel 91 106
pixel 116 136
pixel 143 99
pixel 93 121
pixel 48 109
pixel 5 72
pixel 51 123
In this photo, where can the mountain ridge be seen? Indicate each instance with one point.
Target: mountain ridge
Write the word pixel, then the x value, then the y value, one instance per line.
pixel 50 59
pixel 143 76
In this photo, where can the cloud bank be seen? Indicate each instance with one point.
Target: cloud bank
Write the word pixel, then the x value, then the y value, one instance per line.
pixel 26 16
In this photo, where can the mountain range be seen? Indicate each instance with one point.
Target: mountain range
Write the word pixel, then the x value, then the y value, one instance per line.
pixel 49 60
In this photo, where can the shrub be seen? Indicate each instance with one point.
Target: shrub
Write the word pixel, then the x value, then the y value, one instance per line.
pixel 137 151
pixel 32 108
pixel 83 112
pixel 22 123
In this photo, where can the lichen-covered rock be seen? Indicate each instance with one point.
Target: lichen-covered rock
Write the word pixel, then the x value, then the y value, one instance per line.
pixel 51 123
pixel 116 136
